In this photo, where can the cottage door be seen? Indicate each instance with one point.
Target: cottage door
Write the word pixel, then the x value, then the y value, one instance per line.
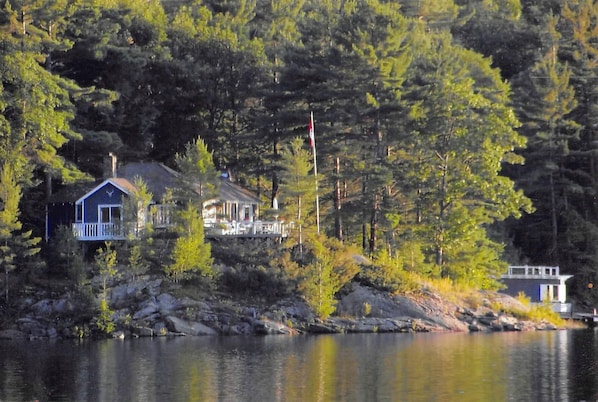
pixel 110 218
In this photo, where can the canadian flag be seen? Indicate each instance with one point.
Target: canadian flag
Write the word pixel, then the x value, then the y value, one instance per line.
pixel 312 138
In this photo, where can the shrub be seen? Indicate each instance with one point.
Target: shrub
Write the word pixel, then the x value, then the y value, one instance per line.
pixel 104 321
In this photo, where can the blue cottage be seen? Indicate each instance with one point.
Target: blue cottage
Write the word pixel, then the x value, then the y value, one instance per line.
pixel 94 213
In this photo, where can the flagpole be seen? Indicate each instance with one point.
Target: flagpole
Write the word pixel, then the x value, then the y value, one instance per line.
pixel 312 138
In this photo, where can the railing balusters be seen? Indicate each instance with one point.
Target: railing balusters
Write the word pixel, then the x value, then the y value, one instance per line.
pixel 113 231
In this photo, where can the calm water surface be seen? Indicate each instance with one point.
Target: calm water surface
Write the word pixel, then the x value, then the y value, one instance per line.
pixel 534 366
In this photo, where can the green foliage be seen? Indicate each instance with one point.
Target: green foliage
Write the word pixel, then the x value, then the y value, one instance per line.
pixel 367 309
pixel 317 287
pixel 199 177
pixel 36 115
pixel 451 291
pixel 413 258
pixel 523 299
pixel 81 331
pixel 408 97
pixel 534 312
pixel 290 268
pixel 106 260
pixel 191 254
pixel 254 269
pixel 256 282
pixel 104 321
pixel 10 194
pixel 138 265
pixel 547 98
pixel 330 267
pixel 392 273
pixel 136 209
pixel 16 245
pixel 297 190
pixel 66 255
pixel 455 160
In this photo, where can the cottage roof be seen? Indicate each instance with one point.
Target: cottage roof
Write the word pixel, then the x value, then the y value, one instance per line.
pixel 121 183
pixel 230 191
pixel 75 192
pixel 157 176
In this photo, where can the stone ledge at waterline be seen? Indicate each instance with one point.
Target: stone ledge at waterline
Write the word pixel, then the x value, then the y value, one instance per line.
pixel 142 309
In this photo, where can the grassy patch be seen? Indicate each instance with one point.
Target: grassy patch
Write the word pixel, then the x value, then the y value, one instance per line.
pixel 534 312
pixel 453 292
pixel 459 293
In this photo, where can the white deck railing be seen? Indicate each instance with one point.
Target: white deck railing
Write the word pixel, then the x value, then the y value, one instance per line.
pixel 248 228
pixel 532 271
pixel 111 231
pixel 560 307
pixel 99 231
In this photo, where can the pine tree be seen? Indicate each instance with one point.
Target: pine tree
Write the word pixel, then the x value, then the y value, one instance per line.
pixel 546 99
pixel 297 189
pixel 138 265
pixel 136 210
pixel 219 66
pixel 106 260
pixel 330 267
pixel 36 106
pixel 66 256
pixel 199 177
pixel 461 129
pixel 15 245
pixel 191 254
pixel 318 287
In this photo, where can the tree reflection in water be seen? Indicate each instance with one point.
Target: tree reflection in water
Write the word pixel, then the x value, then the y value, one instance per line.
pixel 548 366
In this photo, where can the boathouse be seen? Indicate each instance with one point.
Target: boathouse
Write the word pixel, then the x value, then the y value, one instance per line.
pixel 542 284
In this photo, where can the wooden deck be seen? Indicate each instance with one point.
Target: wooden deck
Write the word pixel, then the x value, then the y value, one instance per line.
pixel 590 319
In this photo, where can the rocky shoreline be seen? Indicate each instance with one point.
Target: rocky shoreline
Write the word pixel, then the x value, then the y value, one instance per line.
pixel 147 308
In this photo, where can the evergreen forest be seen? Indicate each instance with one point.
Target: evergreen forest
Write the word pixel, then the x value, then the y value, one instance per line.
pixel 453 137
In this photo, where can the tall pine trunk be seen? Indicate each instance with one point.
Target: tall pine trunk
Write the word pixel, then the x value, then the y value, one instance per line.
pixel 338 220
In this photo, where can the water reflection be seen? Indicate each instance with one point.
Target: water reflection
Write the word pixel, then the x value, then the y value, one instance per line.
pixel 547 366
pixel 583 365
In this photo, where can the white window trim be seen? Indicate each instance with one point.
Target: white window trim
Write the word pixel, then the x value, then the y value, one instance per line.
pixel 109 206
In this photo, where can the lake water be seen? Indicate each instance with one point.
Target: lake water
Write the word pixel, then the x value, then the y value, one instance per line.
pixel 529 366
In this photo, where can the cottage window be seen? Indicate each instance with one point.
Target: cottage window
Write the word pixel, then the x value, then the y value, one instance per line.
pixel 161 215
pixel 79 213
pixel 110 213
